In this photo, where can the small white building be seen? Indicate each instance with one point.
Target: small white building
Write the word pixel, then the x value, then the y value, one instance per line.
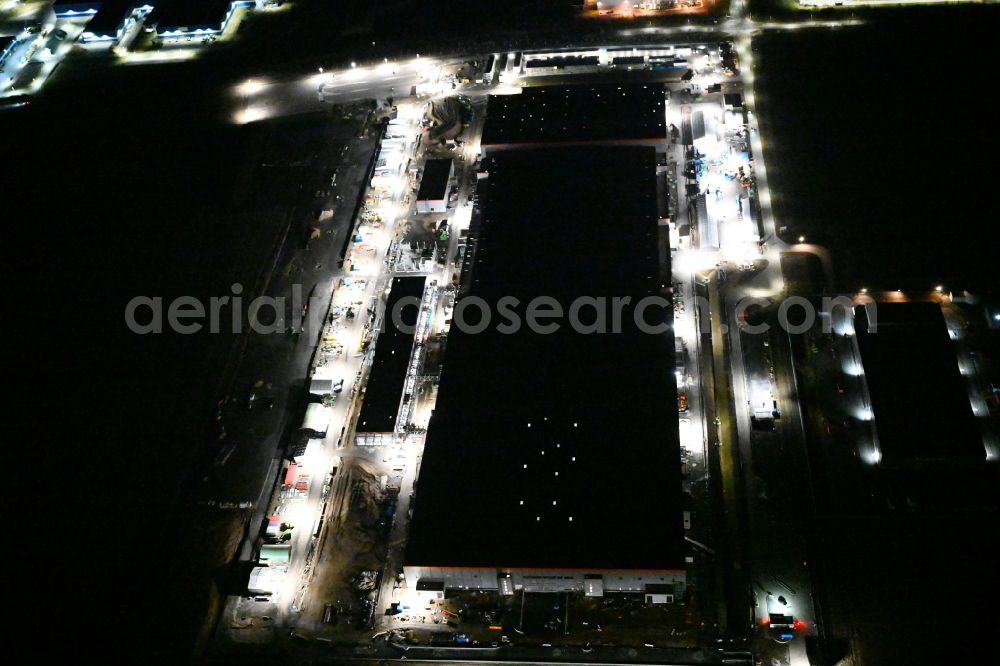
pixel 324 385
pixel 317 419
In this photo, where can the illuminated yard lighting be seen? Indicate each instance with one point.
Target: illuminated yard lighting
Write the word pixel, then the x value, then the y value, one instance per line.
pixel 251 86
pixel 251 115
pixel 873 457
pixel 317 80
pixel 846 327
pixel 694 260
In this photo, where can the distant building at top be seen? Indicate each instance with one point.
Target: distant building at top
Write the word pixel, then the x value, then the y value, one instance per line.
pixel 113 21
pixel 189 19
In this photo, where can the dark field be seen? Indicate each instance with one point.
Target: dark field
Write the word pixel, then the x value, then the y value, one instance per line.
pixel 879 146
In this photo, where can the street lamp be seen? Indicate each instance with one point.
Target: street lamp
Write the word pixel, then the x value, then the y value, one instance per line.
pixel 802 239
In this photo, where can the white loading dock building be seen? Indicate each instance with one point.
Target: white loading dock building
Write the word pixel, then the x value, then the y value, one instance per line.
pixel 323 386
pixel 317 419
pixel 434 581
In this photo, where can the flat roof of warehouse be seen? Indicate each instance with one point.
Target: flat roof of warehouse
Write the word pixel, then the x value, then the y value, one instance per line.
pixel 919 397
pixel 619 112
pixel 69 7
pixel 392 356
pixel 109 16
pixel 191 13
pixel 434 183
pixel 557 450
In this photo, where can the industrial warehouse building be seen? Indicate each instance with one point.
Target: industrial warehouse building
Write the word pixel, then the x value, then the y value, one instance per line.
pixel 385 393
pixel 7 44
pixel 112 20
pixel 552 462
pixel 606 114
pixel 180 19
pixel 173 20
pixel 70 8
pixel 919 399
pixel 435 186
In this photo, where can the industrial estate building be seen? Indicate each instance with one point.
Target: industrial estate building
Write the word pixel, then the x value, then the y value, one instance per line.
pixel 112 20
pixel 388 393
pixel 605 114
pixel 7 44
pixel 172 20
pixel 531 477
pixel 918 397
pixel 177 19
pixel 435 186
pixel 70 8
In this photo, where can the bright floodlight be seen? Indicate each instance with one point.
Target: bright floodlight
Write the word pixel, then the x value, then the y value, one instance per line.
pixel 873 457
pixel 317 80
pixel 854 369
pixel 250 115
pixel 252 86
